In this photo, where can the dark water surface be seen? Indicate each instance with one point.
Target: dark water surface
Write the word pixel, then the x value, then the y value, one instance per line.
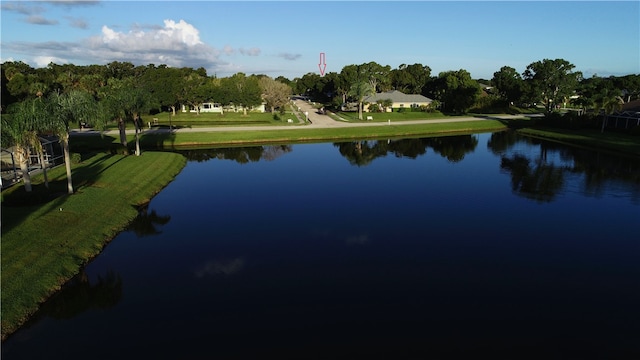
pixel 441 247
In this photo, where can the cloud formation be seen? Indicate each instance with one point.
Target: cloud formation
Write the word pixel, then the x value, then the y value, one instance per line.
pixel 254 51
pixel 175 43
pixel 77 22
pixel 21 8
pixel 33 13
pixel 289 56
pixel 39 20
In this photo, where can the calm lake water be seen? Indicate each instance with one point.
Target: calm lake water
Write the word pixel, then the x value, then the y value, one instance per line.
pixel 421 248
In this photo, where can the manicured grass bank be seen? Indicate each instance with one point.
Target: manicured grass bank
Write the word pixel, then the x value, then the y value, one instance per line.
pixel 45 245
pixel 221 138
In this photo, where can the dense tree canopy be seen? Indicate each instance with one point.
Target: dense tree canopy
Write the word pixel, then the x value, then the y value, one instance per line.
pixel 551 81
pixel 509 84
pixel 547 82
pixel 457 90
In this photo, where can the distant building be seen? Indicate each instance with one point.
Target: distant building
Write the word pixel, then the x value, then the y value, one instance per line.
pixel 398 99
pixel 218 108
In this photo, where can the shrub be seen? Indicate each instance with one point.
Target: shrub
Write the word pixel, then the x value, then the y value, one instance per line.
pixel 118 149
pixel 76 158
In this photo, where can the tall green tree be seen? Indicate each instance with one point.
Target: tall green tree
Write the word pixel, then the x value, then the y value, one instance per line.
pixel 20 128
pixel 551 81
pixel 194 89
pixel 126 101
pixel 164 84
pixel 509 84
pixel 456 90
pixel 71 108
pixel 377 75
pixel 241 90
pixel 410 79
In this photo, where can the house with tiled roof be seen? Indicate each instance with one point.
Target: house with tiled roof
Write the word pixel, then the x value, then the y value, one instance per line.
pixel 398 99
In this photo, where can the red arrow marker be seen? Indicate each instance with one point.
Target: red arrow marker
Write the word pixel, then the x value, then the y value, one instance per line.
pixel 323 64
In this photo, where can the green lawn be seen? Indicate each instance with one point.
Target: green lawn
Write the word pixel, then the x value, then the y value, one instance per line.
pixel 166 141
pixel 296 134
pixel 188 119
pixel 45 245
pixel 352 116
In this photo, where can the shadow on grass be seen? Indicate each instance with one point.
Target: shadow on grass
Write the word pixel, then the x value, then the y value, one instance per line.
pixel 17 204
pixel 160 138
pixel 510 123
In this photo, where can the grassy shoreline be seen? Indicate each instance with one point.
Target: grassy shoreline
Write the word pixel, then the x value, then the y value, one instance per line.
pixel 295 135
pixel 45 245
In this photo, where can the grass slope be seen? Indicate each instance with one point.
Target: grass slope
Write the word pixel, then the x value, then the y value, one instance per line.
pixel 219 138
pixel 44 246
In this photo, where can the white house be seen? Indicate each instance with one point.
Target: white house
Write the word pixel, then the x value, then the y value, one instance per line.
pixel 398 99
pixel 204 107
pixel 218 108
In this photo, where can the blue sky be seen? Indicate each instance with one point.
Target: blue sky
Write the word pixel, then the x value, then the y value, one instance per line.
pixel 286 38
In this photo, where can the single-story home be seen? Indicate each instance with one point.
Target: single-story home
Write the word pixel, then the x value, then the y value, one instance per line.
pixel 218 108
pixel 204 107
pixel 398 99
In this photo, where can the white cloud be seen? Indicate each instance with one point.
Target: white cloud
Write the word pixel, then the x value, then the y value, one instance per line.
pixel 176 44
pixel 183 31
pixel 228 50
pixel 42 61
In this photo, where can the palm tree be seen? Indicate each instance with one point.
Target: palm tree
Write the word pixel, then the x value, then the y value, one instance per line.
pixel 386 103
pixel 140 102
pixel 360 90
pixel 608 102
pixel 70 108
pixel 21 128
pixel 124 101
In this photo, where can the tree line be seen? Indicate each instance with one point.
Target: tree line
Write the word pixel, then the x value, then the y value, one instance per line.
pixel 56 97
pixel 546 82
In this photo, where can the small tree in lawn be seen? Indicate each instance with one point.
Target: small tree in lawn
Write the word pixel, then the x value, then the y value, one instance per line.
pixel 274 93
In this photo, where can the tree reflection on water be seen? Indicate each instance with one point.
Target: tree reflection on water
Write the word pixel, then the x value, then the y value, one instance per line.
pixel 78 296
pixel 541 177
pixel 362 153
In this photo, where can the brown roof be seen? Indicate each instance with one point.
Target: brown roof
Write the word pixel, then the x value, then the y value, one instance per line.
pixel 633 105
